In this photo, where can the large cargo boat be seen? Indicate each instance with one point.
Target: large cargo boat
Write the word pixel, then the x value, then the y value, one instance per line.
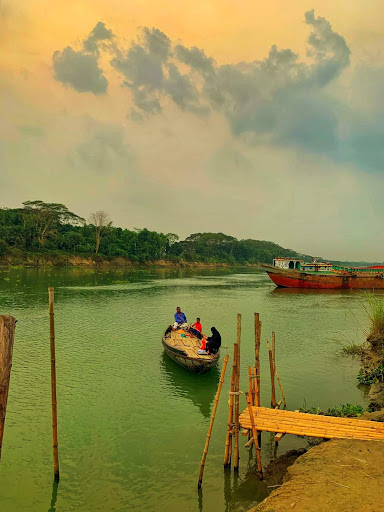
pixel 295 273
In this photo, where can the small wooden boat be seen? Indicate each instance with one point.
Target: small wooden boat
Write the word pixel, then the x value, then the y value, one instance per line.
pixel 182 347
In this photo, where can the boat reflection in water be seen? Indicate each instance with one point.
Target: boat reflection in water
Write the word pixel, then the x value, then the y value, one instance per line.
pixel 200 389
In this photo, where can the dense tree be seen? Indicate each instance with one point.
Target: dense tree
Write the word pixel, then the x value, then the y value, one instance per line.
pixel 44 218
pixel 52 228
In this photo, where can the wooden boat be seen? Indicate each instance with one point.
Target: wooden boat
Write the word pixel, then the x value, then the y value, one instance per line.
pixel 293 273
pixel 181 346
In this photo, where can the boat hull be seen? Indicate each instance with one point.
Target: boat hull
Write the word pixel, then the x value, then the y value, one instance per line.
pixel 193 364
pixel 293 279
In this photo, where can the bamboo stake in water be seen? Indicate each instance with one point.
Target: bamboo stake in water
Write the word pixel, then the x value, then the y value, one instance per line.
pixel 257 357
pixel 272 371
pixel 237 397
pixel 277 375
pixel 7 334
pixel 255 437
pixel 211 422
pixel 228 439
pixel 53 384
pixel 257 319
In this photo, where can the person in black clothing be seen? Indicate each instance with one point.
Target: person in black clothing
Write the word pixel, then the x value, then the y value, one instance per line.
pixel 213 342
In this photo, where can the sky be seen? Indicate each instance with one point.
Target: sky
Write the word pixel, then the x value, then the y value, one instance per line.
pixel 257 119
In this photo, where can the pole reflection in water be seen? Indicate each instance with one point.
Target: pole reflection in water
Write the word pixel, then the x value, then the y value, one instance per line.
pixel 55 487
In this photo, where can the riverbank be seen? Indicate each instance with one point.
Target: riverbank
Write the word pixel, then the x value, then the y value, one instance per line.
pixel 335 476
pixel 339 474
pixel 72 260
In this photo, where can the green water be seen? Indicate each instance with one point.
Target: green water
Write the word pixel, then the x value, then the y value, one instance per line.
pixel 132 424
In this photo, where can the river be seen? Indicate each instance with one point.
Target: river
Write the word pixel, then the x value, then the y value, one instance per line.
pixel 132 424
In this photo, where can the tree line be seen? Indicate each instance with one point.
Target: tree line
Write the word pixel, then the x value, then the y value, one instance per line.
pixel 40 227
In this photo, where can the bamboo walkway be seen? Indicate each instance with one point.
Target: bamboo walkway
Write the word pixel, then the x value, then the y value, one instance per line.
pixel 312 425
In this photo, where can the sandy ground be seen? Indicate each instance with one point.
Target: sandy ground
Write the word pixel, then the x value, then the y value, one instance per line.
pixel 340 475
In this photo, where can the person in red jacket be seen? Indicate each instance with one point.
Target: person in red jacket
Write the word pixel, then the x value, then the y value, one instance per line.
pixel 197 328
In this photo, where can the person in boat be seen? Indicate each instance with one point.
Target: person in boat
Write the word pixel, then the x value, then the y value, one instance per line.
pixel 197 328
pixel 180 320
pixel 213 342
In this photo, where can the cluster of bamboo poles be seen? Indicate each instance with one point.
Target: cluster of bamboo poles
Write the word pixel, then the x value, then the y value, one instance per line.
pixel 253 399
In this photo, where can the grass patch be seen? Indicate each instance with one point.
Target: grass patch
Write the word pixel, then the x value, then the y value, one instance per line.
pixel 344 411
pixel 374 308
pixel 352 349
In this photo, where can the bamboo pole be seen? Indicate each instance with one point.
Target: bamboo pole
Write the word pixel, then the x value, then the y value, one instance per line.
pixel 272 371
pixel 257 320
pixel 237 397
pixel 276 373
pixel 228 439
pixel 255 437
pixel 7 334
pixel 257 358
pixel 53 384
pixel 250 390
pixel 211 422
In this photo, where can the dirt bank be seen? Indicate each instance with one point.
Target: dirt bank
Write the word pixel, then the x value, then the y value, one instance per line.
pixel 73 260
pixel 337 476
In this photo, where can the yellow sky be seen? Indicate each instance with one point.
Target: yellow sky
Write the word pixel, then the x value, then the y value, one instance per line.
pixel 230 169
pixel 228 30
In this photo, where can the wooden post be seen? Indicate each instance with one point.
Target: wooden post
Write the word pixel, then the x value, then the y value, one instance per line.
pixel 237 397
pixel 255 437
pixel 53 385
pixel 272 371
pixel 257 357
pixel 228 439
pixel 250 382
pixel 7 334
pixel 211 422
pixel 277 375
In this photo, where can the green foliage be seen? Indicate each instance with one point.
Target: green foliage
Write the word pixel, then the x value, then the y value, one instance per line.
pixel 52 228
pixel 371 375
pixel 352 349
pixel 345 411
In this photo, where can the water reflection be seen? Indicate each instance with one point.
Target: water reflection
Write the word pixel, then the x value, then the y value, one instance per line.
pixel 243 493
pixel 200 389
pixel 55 487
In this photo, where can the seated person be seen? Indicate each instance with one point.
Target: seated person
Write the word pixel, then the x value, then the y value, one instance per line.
pixel 180 320
pixel 213 342
pixel 197 328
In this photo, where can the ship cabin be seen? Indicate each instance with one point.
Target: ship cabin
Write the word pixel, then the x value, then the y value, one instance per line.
pixel 316 266
pixel 296 264
pixel 288 263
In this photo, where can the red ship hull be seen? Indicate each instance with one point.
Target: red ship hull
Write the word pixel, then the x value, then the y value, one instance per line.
pixel 296 279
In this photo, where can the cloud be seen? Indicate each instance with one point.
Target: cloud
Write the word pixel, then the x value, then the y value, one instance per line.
pixel 104 152
pixel 96 38
pixel 281 100
pixel 79 71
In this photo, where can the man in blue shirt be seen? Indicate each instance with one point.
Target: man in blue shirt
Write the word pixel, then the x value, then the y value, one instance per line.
pixel 180 320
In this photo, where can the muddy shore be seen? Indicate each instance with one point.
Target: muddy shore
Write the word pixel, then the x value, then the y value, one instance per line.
pixel 337 475
pixel 35 260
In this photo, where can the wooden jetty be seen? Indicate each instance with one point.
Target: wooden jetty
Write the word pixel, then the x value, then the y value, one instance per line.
pixel 312 425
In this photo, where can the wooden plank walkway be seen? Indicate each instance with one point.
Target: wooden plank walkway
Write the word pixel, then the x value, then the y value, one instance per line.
pixel 312 425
